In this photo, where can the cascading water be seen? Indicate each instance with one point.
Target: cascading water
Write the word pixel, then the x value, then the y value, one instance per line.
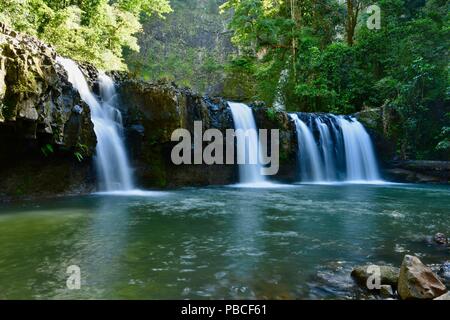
pixel 248 144
pixel 359 152
pixel 111 158
pixel 327 147
pixel 334 148
pixel 310 161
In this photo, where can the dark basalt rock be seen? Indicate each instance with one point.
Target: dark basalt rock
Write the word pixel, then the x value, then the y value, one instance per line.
pixel 419 171
pixel 380 123
pixel 441 238
pixel 270 118
pixel 160 108
pixel 40 110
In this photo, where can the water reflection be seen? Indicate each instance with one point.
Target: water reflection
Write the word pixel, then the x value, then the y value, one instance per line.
pixel 105 241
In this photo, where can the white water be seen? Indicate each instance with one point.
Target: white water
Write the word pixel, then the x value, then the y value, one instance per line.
pixel 310 162
pixel 279 99
pixel 111 158
pixel 340 140
pixel 133 193
pixel 248 147
pixel 360 155
pixel 326 144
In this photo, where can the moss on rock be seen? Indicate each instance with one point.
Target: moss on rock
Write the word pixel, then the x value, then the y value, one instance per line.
pixel 39 107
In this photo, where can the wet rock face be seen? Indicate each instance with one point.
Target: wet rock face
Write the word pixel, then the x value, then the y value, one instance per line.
pixel 419 171
pixel 270 118
pixel 378 122
pixel 418 281
pixel 35 96
pixel 441 238
pixel 38 109
pixel 153 111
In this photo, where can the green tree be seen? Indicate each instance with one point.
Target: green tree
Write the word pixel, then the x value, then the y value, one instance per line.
pixel 189 47
pixel 88 30
pixel 320 56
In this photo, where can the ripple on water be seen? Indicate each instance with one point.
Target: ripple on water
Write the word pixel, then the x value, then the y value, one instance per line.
pixel 284 234
pixel 298 243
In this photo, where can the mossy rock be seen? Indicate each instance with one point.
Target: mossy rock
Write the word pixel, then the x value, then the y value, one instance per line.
pixel 389 275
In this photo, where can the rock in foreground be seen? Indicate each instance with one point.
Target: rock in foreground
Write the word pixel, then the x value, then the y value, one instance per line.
pixel 441 238
pixel 389 275
pixel 417 281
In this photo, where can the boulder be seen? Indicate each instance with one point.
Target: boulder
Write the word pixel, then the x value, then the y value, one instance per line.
pixel 417 281
pixel 389 275
pixel 441 238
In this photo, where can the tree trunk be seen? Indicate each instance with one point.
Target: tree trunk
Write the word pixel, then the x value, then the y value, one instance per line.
pixel 353 7
pixel 294 44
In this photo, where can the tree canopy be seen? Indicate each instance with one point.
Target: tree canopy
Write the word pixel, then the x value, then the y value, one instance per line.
pixel 305 55
pixel 321 56
pixel 87 30
pixel 189 46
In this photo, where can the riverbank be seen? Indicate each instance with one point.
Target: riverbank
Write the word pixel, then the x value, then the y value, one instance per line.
pixel 419 171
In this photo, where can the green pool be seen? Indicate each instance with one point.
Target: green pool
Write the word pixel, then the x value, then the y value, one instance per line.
pixel 290 242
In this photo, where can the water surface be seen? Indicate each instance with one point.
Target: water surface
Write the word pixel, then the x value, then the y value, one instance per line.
pixel 296 242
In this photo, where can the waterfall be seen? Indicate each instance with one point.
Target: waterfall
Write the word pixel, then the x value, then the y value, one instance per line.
pixel 334 148
pixel 327 147
pixel 111 158
pixel 359 152
pixel 310 162
pixel 248 148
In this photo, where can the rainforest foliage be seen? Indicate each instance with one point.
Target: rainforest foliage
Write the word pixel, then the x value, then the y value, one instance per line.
pixel 303 55
pixel 86 30
pixel 325 56
pixel 191 46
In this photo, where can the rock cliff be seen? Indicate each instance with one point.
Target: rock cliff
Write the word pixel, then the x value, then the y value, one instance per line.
pixel 43 122
pixel 154 110
pixel 48 140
